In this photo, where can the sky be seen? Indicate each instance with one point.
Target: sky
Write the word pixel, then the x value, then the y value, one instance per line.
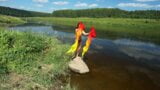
pixel 52 5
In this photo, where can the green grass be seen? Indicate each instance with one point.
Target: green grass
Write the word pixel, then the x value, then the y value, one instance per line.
pixel 147 29
pixel 10 20
pixel 31 61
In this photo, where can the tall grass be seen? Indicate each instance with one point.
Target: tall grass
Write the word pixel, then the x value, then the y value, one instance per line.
pixel 140 28
pixel 31 61
pixel 10 20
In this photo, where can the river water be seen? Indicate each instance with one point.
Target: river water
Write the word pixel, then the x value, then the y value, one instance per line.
pixel 115 64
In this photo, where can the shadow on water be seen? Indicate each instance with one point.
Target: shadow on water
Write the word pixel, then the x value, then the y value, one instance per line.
pixel 115 64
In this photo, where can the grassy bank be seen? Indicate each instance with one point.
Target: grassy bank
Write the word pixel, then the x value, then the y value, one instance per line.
pixel 148 29
pixel 10 20
pixel 31 61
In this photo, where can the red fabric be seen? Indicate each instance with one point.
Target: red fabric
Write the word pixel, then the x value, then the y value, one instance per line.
pixel 81 26
pixel 92 32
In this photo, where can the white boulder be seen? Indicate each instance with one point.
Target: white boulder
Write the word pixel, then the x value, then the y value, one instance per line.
pixel 78 65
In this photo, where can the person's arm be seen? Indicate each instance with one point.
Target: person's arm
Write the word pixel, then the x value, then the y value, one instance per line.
pixel 84 33
pixel 75 33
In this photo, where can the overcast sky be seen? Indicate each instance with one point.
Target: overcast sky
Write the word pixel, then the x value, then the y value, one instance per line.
pixel 50 5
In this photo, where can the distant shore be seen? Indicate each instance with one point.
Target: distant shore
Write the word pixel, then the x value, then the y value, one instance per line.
pixel 146 29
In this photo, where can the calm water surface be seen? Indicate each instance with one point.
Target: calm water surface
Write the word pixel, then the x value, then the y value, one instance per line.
pixel 115 64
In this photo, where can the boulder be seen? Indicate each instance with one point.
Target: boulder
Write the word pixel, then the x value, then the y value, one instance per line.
pixel 78 65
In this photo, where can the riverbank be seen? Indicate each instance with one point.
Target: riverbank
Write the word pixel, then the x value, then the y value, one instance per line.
pixel 114 64
pixel 145 29
pixel 10 20
pixel 32 61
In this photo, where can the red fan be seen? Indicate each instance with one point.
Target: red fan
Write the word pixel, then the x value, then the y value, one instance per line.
pixel 92 32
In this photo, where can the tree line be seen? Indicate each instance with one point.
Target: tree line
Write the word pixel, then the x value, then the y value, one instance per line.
pixel 21 13
pixel 94 13
pixel 108 12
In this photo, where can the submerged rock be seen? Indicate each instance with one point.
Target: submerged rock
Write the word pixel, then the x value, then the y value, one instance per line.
pixel 78 65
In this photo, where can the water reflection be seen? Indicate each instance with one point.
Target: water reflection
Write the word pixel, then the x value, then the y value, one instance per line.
pixel 132 48
pixel 138 50
pixel 115 64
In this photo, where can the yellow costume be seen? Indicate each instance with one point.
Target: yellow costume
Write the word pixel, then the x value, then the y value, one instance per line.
pixel 78 35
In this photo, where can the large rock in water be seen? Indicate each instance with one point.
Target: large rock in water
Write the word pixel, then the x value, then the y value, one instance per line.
pixel 78 65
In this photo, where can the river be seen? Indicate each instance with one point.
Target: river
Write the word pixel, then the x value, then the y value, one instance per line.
pixel 115 64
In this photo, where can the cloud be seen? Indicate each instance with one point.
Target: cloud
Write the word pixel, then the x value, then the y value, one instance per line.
pixel 110 7
pixel 85 5
pixel 100 0
pixel 39 5
pixel 133 5
pixel 3 0
pixel 61 3
pixel 40 1
pixel 93 5
pixel 24 8
pixel 54 9
pixel 158 5
pixel 146 0
pixel 140 5
pixel 81 5
pixel 21 7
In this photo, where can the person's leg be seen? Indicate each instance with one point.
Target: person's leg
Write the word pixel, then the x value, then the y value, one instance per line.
pixel 78 49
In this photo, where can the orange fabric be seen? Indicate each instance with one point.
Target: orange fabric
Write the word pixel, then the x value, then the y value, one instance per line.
pixel 92 34
pixel 78 35
pixel 81 26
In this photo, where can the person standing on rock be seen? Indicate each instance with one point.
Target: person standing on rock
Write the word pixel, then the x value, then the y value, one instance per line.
pixel 76 47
